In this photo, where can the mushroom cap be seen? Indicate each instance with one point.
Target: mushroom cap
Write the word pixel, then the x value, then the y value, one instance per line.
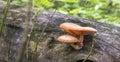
pixel 67 39
pixel 76 29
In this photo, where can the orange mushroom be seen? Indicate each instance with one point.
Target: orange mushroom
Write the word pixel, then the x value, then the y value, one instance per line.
pixel 70 40
pixel 77 30
pixel 67 39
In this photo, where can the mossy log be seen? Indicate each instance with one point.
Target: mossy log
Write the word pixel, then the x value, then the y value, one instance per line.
pixel 107 39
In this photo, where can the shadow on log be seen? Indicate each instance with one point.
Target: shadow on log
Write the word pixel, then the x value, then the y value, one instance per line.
pixel 107 41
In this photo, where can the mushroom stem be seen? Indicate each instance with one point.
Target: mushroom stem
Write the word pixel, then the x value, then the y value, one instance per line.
pixel 75 46
pixel 80 43
pixel 81 38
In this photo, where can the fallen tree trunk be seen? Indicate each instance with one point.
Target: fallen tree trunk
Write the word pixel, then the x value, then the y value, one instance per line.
pixel 107 40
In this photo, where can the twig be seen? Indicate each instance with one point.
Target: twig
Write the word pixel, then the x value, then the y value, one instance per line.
pixel 89 52
pixel 33 29
pixel 37 43
pixel 4 16
pixel 25 34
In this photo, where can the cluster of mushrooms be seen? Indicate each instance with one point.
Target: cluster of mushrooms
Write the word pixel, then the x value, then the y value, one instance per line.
pixel 76 34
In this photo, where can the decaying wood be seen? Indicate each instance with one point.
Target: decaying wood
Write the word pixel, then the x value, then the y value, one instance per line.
pixel 107 41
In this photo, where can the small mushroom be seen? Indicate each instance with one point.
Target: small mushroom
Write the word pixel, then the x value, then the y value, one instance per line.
pixel 77 30
pixel 71 40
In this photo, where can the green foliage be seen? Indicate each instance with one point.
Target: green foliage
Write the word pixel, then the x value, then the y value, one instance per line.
pixel 43 4
pixel 19 2
pixel 106 11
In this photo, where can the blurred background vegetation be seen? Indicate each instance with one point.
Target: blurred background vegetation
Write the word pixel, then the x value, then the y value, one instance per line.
pixel 106 11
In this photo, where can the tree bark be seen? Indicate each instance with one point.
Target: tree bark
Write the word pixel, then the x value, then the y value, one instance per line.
pixel 107 40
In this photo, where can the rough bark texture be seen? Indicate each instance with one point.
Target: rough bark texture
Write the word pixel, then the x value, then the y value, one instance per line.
pixel 107 41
